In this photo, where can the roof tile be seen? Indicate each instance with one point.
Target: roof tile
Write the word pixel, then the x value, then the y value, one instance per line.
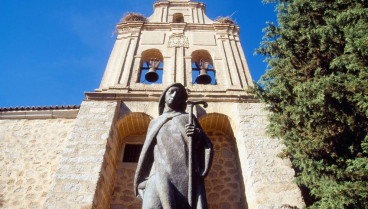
pixel 56 107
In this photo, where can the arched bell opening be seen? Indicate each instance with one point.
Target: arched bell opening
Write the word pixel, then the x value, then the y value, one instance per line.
pixel 178 18
pixel 151 70
pixel 202 68
pixel 224 183
pixel 132 129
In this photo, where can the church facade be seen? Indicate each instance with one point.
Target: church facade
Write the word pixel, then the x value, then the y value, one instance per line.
pixel 85 156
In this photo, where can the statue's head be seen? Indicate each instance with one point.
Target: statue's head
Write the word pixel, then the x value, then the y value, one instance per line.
pixel 174 96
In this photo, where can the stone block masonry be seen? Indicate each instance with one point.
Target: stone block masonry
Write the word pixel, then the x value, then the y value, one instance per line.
pixel 72 163
pixel 29 154
pixel 86 171
pixel 268 179
pixel 123 196
pixel 223 183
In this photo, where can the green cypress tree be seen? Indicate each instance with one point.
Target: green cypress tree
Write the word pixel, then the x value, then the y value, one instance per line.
pixel 316 89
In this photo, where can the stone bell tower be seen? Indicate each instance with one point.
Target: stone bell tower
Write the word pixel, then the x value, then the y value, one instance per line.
pixel 177 43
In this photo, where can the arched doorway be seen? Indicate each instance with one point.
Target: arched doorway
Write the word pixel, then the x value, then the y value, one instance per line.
pixel 224 183
pixel 132 129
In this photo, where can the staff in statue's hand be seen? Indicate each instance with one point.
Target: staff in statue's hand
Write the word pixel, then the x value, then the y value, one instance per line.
pixel 190 130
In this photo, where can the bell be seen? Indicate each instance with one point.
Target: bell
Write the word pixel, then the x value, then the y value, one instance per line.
pixel 203 77
pixel 151 75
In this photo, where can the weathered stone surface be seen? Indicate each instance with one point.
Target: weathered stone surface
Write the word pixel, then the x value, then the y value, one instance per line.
pixel 123 187
pixel 29 155
pixel 82 156
pixel 223 183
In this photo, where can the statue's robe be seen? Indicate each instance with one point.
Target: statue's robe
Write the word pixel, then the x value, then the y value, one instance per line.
pixel 161 178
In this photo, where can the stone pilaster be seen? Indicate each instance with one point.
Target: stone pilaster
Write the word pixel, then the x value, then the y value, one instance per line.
pixel 180 65
pixel 118 61
pixel 128 62
pixel 268 179
pixel 116 56
pixel 84 176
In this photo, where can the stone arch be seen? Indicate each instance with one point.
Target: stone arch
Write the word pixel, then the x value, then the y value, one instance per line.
pixel 132 129
pixel 201 54
pixel 152 54
pixel 133 124
pixel 146 57
pixel 216 122
pixel 224 183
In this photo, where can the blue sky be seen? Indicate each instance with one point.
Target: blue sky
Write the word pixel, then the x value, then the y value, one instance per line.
pixel 53 51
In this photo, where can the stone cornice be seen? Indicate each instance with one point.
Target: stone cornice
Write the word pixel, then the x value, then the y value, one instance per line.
pixel 172 3
pixel 130 27
pixel 212 96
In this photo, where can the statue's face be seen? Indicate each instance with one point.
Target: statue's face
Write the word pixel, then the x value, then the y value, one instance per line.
pixel 174 97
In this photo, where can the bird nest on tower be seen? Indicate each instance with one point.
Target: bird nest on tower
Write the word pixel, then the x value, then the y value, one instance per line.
pixel 133 17
pixel 225 20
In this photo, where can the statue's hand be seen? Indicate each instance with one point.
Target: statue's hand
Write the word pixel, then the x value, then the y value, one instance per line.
pixel 141 188
pixel 189 129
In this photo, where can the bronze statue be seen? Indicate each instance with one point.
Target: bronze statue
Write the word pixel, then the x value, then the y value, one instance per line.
pixel 165 178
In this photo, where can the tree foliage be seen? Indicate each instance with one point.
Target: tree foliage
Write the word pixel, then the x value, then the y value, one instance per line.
pixel 316 89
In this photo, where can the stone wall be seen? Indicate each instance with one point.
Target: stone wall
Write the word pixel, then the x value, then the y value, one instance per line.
pixel 73 163
pixel 224 183
pixel 29 155
pixel 123 196
pixel 268 179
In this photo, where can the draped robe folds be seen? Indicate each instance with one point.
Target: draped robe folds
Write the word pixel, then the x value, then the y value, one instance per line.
pixel 164 163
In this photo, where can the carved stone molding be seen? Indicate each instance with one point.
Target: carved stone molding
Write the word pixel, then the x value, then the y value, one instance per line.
pixel 178 40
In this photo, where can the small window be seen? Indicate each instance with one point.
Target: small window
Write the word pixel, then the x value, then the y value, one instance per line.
pixel 132 152
pixel 178 18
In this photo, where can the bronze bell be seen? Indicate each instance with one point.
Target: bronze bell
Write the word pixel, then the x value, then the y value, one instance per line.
pixel 203 77
pixel 151 75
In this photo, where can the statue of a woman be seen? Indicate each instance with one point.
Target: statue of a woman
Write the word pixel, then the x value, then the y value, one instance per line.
pixel 161 178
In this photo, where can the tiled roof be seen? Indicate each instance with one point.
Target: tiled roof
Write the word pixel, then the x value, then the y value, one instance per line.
pixel 62 107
